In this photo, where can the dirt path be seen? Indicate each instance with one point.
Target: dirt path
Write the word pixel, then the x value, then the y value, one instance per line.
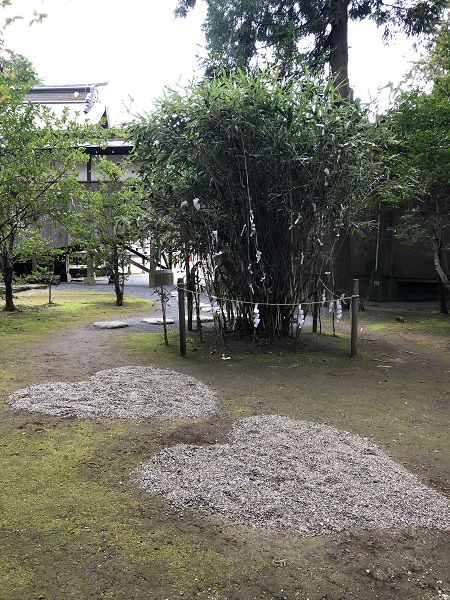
pixel 78 352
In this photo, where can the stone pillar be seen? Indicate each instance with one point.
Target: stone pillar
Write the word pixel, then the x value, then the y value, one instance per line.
pixel 90 274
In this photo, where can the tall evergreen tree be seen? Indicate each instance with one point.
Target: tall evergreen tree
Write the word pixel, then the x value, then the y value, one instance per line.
pixel 237 31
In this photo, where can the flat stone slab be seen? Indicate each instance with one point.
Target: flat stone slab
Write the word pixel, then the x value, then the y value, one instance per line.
pixel 206 318
pixel 157 321
pixel 203 318
pixel 110 324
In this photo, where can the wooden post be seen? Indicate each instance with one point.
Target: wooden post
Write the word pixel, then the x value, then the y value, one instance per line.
pixel 189 288
pixel 316 303
pixel 355 307
pixel 182 316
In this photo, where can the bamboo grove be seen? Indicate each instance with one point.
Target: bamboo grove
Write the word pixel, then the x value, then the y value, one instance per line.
pixel 257 177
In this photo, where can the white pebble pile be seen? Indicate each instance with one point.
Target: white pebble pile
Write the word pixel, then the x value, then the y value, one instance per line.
pixel 122 393
pixel 285 474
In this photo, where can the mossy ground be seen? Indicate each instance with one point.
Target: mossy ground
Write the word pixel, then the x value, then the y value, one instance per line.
pixel 73 524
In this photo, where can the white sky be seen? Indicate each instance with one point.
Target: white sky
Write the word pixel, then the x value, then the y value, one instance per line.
pixel 139 47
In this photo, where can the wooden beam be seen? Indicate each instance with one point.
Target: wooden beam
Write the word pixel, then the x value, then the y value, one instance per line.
pixel 130 249
pixel 140 266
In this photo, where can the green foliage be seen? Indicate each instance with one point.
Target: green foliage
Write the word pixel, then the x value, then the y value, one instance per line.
pixel 39 155
pixel 32 245
pixel 276 168
pixel 419 126
pixel 35 17
pixel 239 31
pixel 111 215
pixel 434 67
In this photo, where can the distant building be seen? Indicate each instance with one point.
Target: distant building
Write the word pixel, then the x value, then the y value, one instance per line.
pixel 84 104
pixel 83 101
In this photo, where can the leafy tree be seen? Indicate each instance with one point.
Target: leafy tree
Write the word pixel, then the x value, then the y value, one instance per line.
pixel 434 67
pixel 237 31
pixel 255 174
pixel 111 215
pixel 39 155
pixel 420 143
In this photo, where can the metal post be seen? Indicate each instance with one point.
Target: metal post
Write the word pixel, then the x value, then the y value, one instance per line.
pixel 181 316
pixel 355 307
pixel 316 303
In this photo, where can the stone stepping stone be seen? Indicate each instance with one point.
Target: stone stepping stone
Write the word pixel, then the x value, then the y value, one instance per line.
pixel 157 321
pixel 203 318
pixel 110 324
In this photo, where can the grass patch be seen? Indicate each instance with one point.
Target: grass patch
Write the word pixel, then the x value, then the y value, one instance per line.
pixel 35 318
pixel 407 319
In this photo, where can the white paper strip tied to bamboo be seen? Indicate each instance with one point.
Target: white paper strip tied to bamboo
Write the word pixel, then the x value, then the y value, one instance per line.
pixel 301 317
pixel 256 319
pixel 214 306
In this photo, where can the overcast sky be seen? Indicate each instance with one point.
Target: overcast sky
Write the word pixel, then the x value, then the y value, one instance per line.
pixel 139 47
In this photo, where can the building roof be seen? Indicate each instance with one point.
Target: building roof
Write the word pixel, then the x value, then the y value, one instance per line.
pixel 84 104
pixel 81 100
pixel 119 147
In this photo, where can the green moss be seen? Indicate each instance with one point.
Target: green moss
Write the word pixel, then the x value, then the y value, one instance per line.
pixel 311 349
pixel 50 458
pixel 186 560
pixel 15 579
pixel 149 344
pixel 36 317
pixel 58 513
pixel 404 319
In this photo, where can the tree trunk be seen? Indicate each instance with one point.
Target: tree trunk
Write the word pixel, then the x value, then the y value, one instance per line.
pixel 8 275
pixel 118 288
pixel 443 293
pixel 437 258
pixel 338 44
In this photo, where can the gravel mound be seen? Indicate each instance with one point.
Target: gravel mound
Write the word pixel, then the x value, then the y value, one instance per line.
pixel 124 393
pixel 308 478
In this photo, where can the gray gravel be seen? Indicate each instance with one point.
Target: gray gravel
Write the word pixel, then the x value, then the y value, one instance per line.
pixel 290 475
pixel 123 393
